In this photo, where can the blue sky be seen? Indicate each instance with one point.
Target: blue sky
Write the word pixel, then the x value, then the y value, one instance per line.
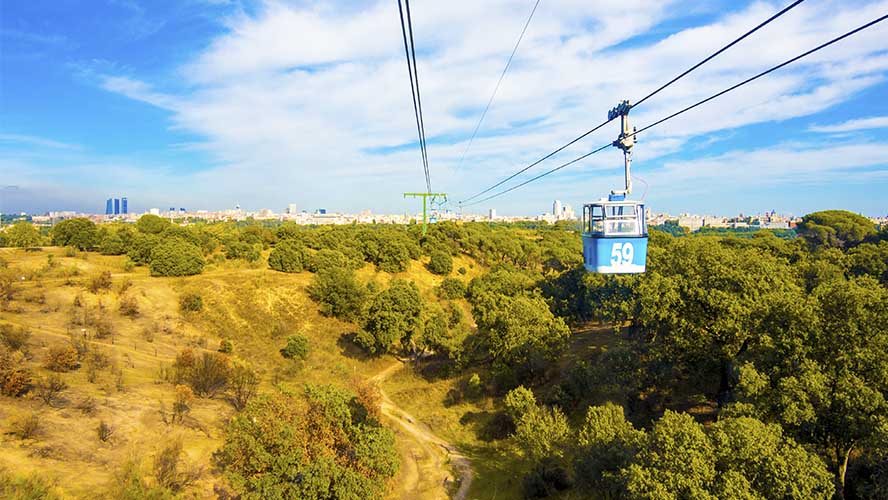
pixel 210 103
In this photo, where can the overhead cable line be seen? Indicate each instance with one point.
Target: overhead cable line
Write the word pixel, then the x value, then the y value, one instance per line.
pixel 499 82
pixel 682 75
pixel 698 103
pixel 413 74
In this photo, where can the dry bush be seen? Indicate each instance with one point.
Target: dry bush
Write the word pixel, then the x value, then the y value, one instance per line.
pixel 208 375
pixel 129 306
pixel 27 426
pixel 369 396
pixel 48 389
pixel 100 282
pixel 243 384
pixel 125 285
pixel 182 403
pixel 62 358
pixel 102 326
pixel 15 376
pixel 171 471
pixel 14 337
pixel 104 431
pixel 87 406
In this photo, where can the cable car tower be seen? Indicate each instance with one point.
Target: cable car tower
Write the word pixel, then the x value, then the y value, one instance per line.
pixel 435 197
pixel 614 228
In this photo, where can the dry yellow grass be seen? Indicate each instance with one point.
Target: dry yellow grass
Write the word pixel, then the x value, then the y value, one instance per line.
pixel 248 304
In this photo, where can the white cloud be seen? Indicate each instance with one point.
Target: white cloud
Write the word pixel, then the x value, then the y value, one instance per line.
pixel 852 125
pixel 36 141
pixel 292 100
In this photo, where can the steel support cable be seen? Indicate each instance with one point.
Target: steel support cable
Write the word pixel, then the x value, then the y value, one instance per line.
pixel 412 88
pixel 418 99
pixel 498 83
pixel 699 103
pixel 667 84
pixel 716 54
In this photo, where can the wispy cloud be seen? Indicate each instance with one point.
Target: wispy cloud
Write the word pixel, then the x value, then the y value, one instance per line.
pixel 31 140
pixel 298 100
pixel 852 125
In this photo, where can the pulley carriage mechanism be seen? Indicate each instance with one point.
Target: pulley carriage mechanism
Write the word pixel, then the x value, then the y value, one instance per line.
pixel 614 228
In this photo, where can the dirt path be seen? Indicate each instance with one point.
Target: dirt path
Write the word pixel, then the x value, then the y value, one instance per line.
pixel 426 458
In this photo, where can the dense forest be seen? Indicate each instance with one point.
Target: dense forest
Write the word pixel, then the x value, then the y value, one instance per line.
pixel 747 366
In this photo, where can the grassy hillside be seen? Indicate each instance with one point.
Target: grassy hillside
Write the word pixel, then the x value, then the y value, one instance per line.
pixel 251 306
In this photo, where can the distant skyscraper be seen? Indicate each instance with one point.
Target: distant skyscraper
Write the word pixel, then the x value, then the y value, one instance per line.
pixel 291 209
pixel 492 214
pixel 556 208
pixel 116 206
pixel 109 206
pixel 123 207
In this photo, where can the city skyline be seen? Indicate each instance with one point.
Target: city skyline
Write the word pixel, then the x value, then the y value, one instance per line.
pixel 230 119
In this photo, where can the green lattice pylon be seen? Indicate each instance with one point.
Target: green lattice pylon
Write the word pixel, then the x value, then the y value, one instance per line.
pixel 425 208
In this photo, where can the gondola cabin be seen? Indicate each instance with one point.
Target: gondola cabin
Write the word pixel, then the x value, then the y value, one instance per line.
pixel 614 236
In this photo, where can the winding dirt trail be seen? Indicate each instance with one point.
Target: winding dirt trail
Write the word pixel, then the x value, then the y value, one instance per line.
pixel 425 457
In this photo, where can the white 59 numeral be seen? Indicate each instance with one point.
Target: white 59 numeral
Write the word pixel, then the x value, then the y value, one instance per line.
pixel 622 253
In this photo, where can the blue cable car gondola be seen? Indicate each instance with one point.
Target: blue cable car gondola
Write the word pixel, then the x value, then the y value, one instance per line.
pixel 615 229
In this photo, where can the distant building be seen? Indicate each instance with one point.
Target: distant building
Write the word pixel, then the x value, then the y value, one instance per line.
pixel 556 209
pixel 181 211
pixel 109 207
pixel 154 211
pixel 322 211
pixel 291 209
pixel 492 214
pixel 116 206
pixel 124 209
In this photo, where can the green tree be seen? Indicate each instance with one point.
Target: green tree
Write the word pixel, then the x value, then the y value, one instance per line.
pixel 175 257
pixel 608 443
pixel 835 228
pixel 141 247
pixel 318 445
pixel 520 333
pixel 518 402
pixel 451 288
pixel 441 262
pixel 80 233
pixel 151 224
pixel 22 235
pixel 871 259
pixel 296 348
pixel 543 433
pixel 823 375
pixel 393 318
pixel 287 256
pixel 338 293
pixel 327 258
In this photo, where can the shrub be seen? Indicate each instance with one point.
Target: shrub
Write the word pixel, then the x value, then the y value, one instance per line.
pixel 296 348
pixel 48 389
pixel 104 431
pixel 327 258
pixel 26 426
pixel 451 288
pixel 208 375
pixel 15 377
pixel 243 384
pixel 226 346
pixel 242 250
pixel 182 403
pixel 30 487
pixel 129 306
pixel 461 270
pixel 176 257
pixel 338 293
pixel 14 337
pixel 168 468
pixel 440 262
pixel 100 282
pixel 151 224
pixel 191 302
pixel 62 359
pixel 287 256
